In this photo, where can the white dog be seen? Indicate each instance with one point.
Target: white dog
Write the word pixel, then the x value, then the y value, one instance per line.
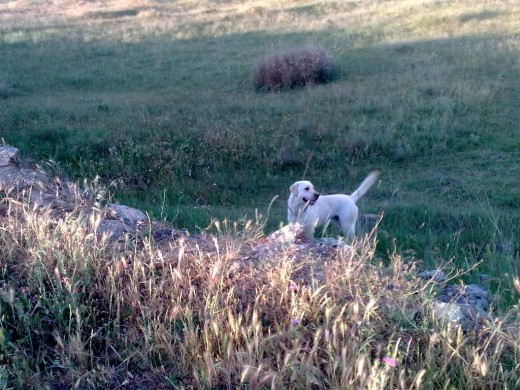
pixel 306 206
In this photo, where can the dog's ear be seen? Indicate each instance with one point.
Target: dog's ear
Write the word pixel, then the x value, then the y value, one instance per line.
pixel 294 189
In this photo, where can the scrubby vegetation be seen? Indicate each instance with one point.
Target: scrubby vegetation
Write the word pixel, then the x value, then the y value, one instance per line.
pixel 202 312
pixel 295 68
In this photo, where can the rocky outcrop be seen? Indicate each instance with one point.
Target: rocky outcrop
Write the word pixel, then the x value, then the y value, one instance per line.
pixel 43 191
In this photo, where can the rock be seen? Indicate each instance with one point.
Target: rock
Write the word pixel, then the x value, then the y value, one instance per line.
pixel 41 191
pixel 112 228
pixel 476 290
pixel 8 176
pixel 436 275
pixel 367 222
pixel 15 178
pixel 472 294
pixel 465 305
pixel 464 315
pixel 41 199
pixel 127 215
pixel 330 241
pixel 484 278
pixel 166 233
pixel 287 234
pixel 9 156
pixel 162 234
pixel 235 267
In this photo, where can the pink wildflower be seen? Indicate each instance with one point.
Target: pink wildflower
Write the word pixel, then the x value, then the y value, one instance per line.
pixel 391 362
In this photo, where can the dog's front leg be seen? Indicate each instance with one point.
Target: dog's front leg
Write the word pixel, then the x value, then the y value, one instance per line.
pixel 309 230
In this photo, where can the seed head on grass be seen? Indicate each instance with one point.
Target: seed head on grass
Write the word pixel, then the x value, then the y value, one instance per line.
pixel 294 69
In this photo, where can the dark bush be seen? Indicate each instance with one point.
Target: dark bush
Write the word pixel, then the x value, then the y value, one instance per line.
pixel 294 69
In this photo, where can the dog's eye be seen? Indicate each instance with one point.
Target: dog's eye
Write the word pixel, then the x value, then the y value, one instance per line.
pixel 307 188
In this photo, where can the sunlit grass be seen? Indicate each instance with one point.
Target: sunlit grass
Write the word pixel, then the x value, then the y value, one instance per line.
pixel 158 99
pixel 205 312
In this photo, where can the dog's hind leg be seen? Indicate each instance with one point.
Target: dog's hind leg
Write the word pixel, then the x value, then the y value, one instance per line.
pixel 348 227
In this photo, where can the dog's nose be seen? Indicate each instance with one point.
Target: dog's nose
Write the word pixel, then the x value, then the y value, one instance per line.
pixel 316 195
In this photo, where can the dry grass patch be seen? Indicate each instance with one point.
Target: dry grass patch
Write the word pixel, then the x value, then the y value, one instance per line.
pixel 206 311
pixel 295 68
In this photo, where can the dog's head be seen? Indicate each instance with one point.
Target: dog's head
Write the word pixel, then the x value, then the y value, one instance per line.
pixel 303 193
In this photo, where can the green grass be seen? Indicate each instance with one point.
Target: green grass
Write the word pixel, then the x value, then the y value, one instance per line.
pixel 158 99
pixel 164 109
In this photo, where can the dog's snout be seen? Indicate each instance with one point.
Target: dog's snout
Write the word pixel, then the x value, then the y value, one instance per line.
pixel 316 195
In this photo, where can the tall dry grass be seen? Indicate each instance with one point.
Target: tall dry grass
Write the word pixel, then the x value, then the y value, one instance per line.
pixel 205 312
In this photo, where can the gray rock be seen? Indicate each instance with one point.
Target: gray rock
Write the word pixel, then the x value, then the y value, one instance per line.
pixel 331 241
pixel 166 233
pixel 112 228
pixel 447 312
pixel 13 177
pixel 41 199
pixel 476 291
pixel 465 305
pixel 461 314
pixel 8 176
pixel 472 294
pixel 286 234
pixel 367 222
pixel 40 190
pixel 484 278
pixel 435 275
pixel 131 217
pixel 9 156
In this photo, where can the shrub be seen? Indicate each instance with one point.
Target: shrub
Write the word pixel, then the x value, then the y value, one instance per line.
pixel 293 69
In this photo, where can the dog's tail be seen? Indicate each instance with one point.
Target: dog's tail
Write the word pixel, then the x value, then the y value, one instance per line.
pixel 365 186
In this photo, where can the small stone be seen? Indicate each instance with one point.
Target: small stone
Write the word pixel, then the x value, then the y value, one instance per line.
pixel 436 275
pixel 286 234
pixel 9 156
pixel 484 278
pixel 112 228
pixel 128 215
pixel 367 222
pixel 234 267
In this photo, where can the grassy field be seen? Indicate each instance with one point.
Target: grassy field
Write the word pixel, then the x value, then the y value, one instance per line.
pixel 157 98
